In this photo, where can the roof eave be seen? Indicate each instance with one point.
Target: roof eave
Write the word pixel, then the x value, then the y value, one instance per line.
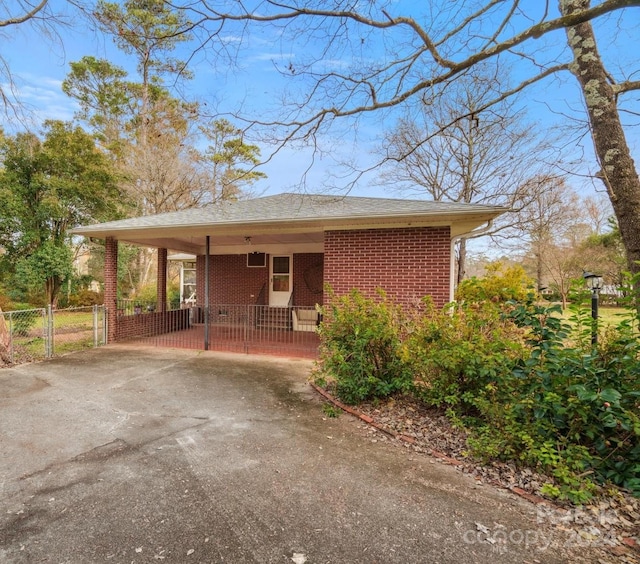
pixel 369 221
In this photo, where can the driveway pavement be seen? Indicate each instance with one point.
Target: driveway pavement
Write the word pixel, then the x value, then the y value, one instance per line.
pixel 139 455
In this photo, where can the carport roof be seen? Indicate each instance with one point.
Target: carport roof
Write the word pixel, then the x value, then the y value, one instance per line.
pixel 286 218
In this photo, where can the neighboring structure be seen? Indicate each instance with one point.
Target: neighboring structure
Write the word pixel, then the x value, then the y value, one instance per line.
pixel 280 251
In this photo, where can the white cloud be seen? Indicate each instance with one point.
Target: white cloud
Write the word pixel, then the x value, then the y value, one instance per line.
pixel 39 98
pixel 272 57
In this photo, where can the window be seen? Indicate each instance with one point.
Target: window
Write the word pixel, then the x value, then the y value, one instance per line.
pixel 188 283
pixel 255 260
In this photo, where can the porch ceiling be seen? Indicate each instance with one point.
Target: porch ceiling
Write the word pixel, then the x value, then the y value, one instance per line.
pixel 247 241
pixel 286 222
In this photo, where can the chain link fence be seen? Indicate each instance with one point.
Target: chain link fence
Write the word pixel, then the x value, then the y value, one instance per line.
pixel 36 334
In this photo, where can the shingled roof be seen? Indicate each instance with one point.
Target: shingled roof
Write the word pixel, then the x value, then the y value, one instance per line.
pixel 288 212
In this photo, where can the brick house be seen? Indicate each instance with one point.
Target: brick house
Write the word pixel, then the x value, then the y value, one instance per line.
pixel 272 256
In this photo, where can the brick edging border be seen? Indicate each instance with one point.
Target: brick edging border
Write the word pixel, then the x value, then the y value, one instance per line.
pixel 532 498
pixel 536 499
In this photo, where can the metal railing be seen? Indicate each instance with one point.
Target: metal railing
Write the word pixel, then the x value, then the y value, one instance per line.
pixel 255 329
pixel 128 306
pixel 37 334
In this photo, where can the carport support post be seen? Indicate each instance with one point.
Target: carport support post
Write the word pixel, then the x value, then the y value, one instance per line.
pixel 111 286
pixel 161 291
pixel 206 293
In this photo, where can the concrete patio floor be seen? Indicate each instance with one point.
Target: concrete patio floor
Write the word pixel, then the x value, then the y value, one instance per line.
pixel 140 454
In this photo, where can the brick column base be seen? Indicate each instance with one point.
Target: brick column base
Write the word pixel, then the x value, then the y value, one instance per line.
pixel 111 286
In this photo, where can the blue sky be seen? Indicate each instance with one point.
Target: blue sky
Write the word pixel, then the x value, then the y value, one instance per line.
pixel 40 66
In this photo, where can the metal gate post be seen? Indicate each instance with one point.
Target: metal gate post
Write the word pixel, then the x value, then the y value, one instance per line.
pixel 11 336
pixel 206 293
pixel 49 331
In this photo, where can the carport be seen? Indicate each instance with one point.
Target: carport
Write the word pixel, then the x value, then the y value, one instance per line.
pixel 262 265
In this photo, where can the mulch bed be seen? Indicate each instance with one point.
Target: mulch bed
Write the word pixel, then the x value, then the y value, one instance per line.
pixel 612 518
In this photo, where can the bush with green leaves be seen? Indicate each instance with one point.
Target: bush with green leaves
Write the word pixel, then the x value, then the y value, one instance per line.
pixel 528 386
pixel 584 400
pixel 85 297
pixel 360 343
pixel 460 353
pixel 500 284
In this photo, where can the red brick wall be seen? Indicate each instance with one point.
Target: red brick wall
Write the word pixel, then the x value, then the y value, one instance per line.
pixel 111 286
pixel 231 280
pixel 151 324
pixel 407 263
pixel 308 279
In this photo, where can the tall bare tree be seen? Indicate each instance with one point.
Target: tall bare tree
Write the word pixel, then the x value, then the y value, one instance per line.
pixel 14 14
pixel 358 58
pixel 485 157
pixel 550 216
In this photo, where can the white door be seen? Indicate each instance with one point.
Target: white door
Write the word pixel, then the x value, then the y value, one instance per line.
pixel 281 281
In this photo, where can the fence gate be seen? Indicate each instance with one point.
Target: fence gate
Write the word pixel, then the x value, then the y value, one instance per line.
pixel 36 334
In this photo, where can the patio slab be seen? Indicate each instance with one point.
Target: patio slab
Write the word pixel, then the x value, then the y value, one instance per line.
pixel 139 454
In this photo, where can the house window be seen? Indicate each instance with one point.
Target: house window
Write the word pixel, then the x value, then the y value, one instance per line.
pixel 188 283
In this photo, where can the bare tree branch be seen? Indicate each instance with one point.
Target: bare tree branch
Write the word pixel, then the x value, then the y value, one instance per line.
pixel 25 17
pixel 626 86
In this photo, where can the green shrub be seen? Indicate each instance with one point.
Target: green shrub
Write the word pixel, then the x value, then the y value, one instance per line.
pixel 530 389
pixel 460 354
pixel 581 399
pixel 500 284
pixel 85 297
pixel 360 342
pixel 528 386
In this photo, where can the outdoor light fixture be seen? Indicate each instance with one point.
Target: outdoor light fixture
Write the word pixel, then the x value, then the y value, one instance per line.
pixel 594 283
pixel 247 240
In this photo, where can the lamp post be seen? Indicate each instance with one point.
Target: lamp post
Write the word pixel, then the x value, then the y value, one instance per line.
pixel 594 283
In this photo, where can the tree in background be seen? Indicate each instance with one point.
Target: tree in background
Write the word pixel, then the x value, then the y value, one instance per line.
pixel 606 255
pixel 564 237
pixel 454 151
pixel 150 31
pixel 397 55
pixel 230 161
pixel 546 221
pixel 47 187
pixel 14 14
pixel 160 167
pixel 105 98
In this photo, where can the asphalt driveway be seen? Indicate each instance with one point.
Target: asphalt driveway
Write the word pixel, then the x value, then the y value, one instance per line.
pixel 137 455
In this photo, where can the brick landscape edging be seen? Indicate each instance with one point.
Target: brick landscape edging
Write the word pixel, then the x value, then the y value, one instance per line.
pixel 628 544
pixel 536 499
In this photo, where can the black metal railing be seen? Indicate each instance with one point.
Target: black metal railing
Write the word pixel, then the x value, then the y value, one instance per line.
pixel 255 329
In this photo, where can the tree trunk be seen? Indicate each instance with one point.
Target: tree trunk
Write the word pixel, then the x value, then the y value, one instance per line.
pixel 52 290
pixel 5 340
pixel 462 260
pixel 539 270
pixel 618 171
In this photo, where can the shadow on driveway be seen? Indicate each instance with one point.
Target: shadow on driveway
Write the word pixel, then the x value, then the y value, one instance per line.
pixel 126 454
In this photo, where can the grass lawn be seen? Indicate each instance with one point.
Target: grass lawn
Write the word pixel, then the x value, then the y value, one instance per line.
pixel 607 315
pixel 612 315
pixel 73 319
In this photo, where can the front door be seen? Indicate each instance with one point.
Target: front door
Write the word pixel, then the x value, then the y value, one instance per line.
pixel 281 282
